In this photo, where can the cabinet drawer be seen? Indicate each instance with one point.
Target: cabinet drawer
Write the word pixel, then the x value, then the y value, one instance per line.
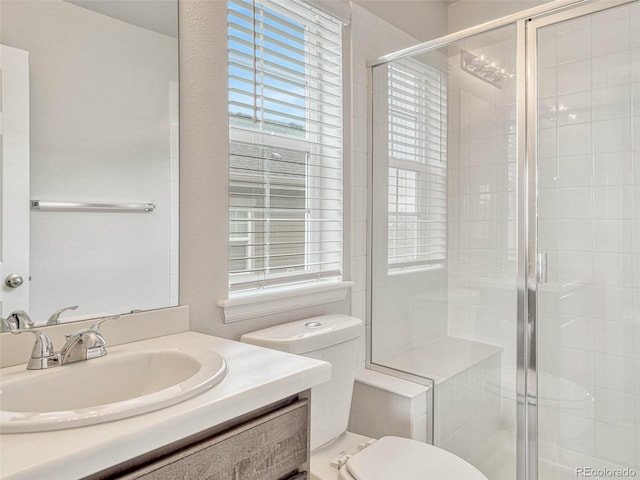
pixel 269 447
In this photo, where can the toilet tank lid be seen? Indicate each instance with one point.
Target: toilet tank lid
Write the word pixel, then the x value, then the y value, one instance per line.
pixel 307 335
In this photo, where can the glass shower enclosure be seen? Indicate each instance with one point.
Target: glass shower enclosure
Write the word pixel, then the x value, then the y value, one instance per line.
pixel 505 245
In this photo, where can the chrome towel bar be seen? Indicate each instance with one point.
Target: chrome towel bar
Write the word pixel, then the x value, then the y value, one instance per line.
pixel 130 207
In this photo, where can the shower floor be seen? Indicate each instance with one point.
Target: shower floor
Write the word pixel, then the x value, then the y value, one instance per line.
pixel 497 460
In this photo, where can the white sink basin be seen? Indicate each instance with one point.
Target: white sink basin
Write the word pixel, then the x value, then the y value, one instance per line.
pixel 122 384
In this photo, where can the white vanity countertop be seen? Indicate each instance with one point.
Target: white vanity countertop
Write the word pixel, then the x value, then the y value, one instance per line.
pixel 256 377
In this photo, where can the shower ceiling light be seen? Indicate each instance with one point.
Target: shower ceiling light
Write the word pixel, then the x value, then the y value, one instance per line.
pixel 484 69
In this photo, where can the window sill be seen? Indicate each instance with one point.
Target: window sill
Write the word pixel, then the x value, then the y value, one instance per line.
pixel 251 306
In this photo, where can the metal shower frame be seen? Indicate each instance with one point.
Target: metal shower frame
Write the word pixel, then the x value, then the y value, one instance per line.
pixel 527 23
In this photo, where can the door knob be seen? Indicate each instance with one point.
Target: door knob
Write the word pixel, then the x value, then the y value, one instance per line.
pixel 13 280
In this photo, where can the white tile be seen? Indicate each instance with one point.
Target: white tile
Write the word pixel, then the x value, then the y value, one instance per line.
pixel 547 142
pixel 612 69
pixel 576 433
pixel 481 151
pixel 479 179
pixel 359 204
pixel 610 14
pixel 547 51
pixel 612 102
pixel 573 24
pixel 548 176
pixel 635 134
pixel 575 202
pixel 575 171
pixel 612 168
pixel 547 82
pixel 576 365
pixel 548 331
pixel 419 429
pixel 574 45
pixel 481 207
pixel 615 373
pixel 358 304
pixel 463 443
pixel 547 112
pixel 634 68
pixel 548 203
pixel 574 76
pixel 574 108
pixel 615 408
pixel 612 235
pixel 615 338
pixel 611 36
pixel 613 269
pixel 576 332
pixel 481 124
pixel 607 202
pixel 615 443
pixel 575 235
pixel 612 135
pixel 635 98
pixel 576 139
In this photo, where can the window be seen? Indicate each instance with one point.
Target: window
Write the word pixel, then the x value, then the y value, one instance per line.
pixel 285 129
pixel 417 176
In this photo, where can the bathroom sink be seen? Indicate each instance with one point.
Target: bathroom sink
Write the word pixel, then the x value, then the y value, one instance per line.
pixel 121 384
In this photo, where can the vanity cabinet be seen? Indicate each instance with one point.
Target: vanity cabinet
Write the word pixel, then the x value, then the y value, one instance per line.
pixel 268 444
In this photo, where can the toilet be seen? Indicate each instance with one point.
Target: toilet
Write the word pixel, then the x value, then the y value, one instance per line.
pixel 337 454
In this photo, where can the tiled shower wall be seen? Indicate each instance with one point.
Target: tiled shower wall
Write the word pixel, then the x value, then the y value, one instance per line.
pixel 372 37
pixel 482 207
pixel 589 225
pixel 466 408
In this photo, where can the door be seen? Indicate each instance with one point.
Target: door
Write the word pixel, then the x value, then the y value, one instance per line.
pixel 14 167
pixel 585 257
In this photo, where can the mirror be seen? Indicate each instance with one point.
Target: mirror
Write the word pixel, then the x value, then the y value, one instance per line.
pixel 89 160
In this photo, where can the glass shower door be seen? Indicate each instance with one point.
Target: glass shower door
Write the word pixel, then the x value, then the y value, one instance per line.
pixel 587 97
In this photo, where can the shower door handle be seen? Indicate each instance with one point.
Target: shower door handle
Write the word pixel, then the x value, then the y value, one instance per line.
pixel 542 262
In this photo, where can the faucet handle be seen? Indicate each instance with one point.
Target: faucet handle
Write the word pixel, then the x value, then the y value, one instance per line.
pixel 21 319
pixel 42 352
pixel 54 319
pixel 85 344
pixel 96 325
pixel 7 325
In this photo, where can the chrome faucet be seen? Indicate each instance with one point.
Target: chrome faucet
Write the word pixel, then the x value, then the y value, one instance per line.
pixel 20 319
pixel 54 319
pixel 84 344
pixel 42 354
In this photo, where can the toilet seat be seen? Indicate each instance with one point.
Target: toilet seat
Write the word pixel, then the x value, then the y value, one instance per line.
pixel 401 458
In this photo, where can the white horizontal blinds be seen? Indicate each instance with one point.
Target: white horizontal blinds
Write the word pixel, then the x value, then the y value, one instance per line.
pixel 285 125
pixel 417 182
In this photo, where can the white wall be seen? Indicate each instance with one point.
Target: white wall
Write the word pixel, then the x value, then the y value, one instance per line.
pixel 100 132
pixel 204 163
pixel 423 20
pixel 468 13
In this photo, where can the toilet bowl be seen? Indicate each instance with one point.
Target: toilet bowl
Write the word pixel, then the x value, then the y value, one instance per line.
pixel 337 454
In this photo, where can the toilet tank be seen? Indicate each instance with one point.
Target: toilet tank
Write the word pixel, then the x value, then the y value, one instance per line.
pixel 333 339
